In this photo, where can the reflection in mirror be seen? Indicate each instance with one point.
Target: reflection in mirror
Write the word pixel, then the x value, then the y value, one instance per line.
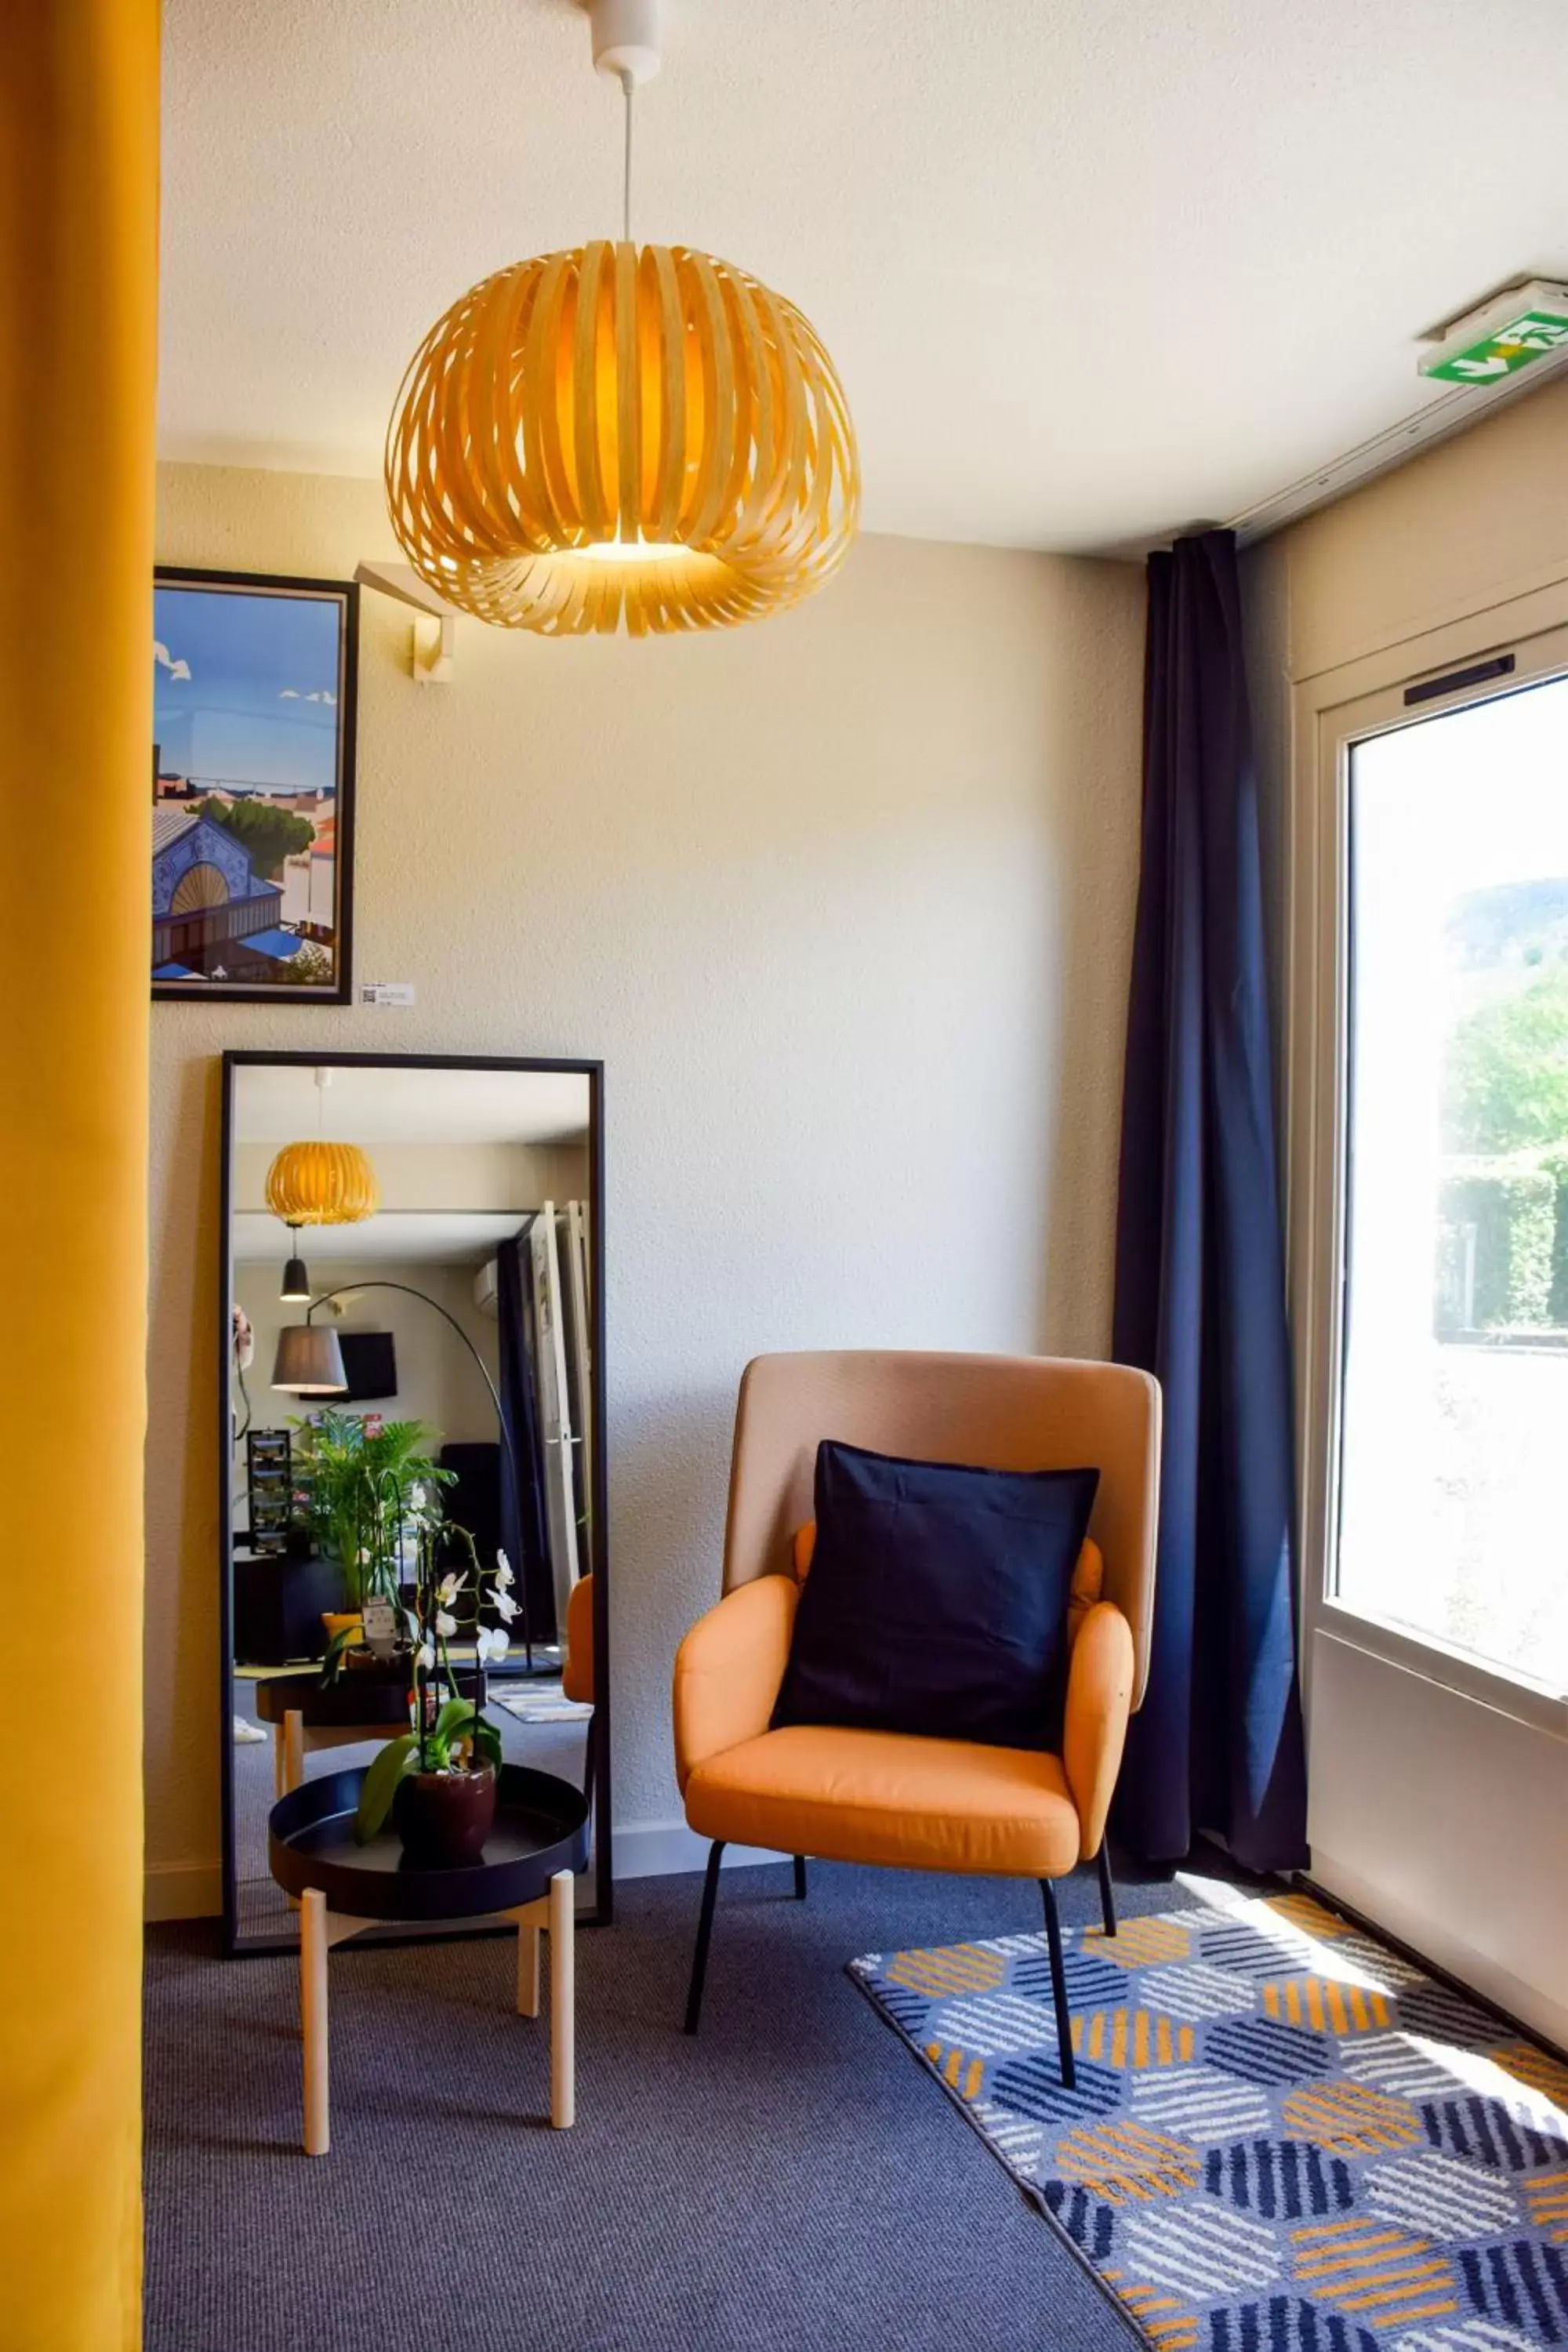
pixel 412 1339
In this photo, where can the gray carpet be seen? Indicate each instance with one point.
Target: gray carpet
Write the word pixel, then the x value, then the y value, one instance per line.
pixel 789 2182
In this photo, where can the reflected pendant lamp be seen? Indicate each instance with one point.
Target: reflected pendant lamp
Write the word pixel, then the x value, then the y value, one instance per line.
pixel 322 1184
pixel 295 1288
pixel 622 434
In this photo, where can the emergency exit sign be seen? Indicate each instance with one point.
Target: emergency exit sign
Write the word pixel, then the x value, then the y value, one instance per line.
pixel 1521 327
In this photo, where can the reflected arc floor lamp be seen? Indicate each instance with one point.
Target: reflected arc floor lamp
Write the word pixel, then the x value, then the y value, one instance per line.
pixel 308 1362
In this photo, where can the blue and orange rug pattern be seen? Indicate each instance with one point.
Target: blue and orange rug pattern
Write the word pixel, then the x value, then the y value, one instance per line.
pixel 1284 2138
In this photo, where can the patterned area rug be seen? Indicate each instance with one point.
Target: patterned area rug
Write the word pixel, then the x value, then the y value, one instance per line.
pixel 1283 2138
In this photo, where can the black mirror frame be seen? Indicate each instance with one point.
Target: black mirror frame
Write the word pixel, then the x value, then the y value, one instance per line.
pixel 233 1061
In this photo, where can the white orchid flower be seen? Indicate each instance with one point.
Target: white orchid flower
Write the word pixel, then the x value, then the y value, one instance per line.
pixel 503 1570
pixel 503 1605
pixel 425 1656
pixel 419 1495
pixel 492 1644
pixel 448 1589
pixel 445 1623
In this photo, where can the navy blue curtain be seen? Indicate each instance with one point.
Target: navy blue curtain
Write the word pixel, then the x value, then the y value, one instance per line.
pixel 1200 1297
pixel 522 1512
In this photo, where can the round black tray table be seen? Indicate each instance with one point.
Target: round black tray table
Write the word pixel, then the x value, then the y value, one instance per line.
pixel 538 1844
pixel 306 1712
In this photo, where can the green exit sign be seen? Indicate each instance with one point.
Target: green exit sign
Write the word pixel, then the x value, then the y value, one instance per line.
pixel 1525 325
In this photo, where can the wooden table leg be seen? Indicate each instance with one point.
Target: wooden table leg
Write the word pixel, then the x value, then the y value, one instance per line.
pixel 526 1970
pixel 563 2002
pixel 278 1788
pixel 313 1949
pixel 291 1761
pixel 293 1749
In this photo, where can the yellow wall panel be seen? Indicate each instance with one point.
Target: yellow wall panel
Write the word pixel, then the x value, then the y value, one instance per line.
pixel 78 162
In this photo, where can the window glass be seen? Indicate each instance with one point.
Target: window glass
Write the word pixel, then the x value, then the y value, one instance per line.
pixel 1454 1464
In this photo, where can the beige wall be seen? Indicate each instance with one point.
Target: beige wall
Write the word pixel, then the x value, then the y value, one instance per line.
pixel 1445 1818
pixel 1479 519
pixel 843 900
pixel 436 1379
pixel 1475 520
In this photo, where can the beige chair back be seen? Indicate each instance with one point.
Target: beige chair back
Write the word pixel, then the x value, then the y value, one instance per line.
pixel 1003 1412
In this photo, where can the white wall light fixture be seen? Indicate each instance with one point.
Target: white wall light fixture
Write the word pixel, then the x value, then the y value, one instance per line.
pixel 435 634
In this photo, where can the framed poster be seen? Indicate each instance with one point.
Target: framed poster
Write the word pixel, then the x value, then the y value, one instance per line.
pixel 254 683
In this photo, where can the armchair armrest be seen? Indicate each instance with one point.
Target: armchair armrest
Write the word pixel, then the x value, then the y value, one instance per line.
pixel 577 1657
pixel 728 1671
pixel 1100 1698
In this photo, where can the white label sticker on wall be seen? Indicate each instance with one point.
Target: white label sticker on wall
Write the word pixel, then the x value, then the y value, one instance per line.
pixel 386 991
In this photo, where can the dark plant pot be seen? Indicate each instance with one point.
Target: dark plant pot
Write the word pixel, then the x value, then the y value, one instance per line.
pixel 365 1665
pixel 443 1817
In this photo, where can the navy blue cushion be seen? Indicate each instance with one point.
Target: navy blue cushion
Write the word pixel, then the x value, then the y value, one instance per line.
pixel 937 1598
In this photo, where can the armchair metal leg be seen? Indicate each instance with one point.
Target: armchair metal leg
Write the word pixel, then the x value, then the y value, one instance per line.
pixel 1106 1891
pixel 704 1936
pixel 1059 1985
pixel 800 1878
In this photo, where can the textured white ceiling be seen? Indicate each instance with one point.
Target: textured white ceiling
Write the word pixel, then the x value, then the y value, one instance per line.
pixel 1089 269
pixel 276 1102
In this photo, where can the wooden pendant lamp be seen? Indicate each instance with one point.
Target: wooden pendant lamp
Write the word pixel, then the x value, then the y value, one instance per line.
pixel 322 1184
pixel 622 434
pixel 317 1183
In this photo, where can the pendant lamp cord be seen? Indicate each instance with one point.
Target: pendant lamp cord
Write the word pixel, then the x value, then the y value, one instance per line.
pixel 628 86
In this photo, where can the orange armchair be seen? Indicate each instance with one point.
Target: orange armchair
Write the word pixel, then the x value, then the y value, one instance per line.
pixel 883 1797
pixel 578 1680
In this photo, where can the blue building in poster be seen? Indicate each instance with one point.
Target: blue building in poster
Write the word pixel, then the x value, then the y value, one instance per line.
pixel 212 916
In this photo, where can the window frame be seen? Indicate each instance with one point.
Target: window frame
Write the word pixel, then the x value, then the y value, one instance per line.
pixel 1331 710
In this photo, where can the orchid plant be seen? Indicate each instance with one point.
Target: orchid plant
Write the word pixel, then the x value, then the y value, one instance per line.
pixel 447 1732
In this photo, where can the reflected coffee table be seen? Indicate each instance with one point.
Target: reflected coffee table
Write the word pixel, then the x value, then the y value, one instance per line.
pixel 307 1713
pixel 532 1855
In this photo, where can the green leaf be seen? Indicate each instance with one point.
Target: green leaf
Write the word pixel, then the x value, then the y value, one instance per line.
pixel 387 1767
pixel 454 1716
pixel 334 1660
pixel 487 1739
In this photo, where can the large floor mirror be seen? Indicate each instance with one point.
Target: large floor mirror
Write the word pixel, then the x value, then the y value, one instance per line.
pixel 412 1310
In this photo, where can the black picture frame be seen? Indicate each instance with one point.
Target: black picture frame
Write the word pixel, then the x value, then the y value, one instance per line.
pixel 602 1912
pixel 194 935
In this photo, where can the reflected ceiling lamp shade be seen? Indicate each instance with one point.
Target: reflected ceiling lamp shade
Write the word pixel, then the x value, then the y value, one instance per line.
pixel 623 434
pixel 322 1184
pixel 309 1362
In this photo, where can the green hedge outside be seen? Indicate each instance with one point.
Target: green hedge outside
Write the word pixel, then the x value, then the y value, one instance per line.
pixel 1520 1220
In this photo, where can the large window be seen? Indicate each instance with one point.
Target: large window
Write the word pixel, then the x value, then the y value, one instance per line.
pixel 1453 1471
